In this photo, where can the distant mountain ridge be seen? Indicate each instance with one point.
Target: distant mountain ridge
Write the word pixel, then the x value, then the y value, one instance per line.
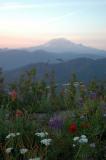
pixel 62 45
pixel 53 51
pixel 85 68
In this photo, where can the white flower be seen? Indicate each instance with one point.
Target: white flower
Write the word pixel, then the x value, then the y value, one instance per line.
pixel 74 145
pixel 8 150
pixel 23 150
pixel 37 158
pixel 17 134
pixel 10 135
pixel 76 138
pixel 41 134
pixel 104 115
pixel 83 136
pixel 83 140
pixel 82 117
pixel 46 142
pixel 92 145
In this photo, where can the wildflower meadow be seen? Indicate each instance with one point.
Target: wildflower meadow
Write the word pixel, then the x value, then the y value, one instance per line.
pixel 39 121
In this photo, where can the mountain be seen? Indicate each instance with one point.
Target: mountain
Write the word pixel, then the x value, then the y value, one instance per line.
pixel 62 45
pixel 85 69
pixel 54 51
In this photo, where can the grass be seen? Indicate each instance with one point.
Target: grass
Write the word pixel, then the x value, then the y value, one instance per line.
pixel 31 108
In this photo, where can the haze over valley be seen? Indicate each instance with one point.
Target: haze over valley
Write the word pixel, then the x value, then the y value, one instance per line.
pixel 54 51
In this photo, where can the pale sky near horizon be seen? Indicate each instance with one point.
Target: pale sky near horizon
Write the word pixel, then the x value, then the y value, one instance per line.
pixel 25 23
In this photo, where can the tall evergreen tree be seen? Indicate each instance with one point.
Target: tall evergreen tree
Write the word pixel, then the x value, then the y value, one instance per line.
pixel 1 81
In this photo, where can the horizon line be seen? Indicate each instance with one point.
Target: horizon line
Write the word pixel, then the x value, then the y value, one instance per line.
pixel 43 43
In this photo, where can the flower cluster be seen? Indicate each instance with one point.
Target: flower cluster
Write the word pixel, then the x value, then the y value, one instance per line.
pixel 56 122
pixel 45 141
pixel 12 135
pixel 22 150
pixel 8 150
pixel 41 134
pixel 81 140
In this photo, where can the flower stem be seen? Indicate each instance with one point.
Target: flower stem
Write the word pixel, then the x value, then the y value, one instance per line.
pixel 78 152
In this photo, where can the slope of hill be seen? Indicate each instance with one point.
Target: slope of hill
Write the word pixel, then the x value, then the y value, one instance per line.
pixel 85 69
pixel 52 52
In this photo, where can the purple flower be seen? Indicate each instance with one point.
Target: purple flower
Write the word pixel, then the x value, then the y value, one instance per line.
pixel 93 95
pixel 80 102
pixel 56 122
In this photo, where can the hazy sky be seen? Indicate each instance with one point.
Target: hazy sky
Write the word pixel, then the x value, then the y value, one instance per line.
pixel 26 23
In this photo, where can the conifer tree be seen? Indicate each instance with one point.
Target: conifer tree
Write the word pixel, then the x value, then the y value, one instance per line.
pixel 1 81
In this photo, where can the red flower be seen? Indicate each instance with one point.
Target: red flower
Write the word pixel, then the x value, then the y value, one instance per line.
pixel 13 95
pixel 19 113
pixel 73 128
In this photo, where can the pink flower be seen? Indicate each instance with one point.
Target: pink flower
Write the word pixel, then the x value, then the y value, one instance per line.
pixel 13 95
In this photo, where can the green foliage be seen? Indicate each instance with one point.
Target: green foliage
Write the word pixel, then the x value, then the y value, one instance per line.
pixel 71 94
pixel 31 109
pixel 93 86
